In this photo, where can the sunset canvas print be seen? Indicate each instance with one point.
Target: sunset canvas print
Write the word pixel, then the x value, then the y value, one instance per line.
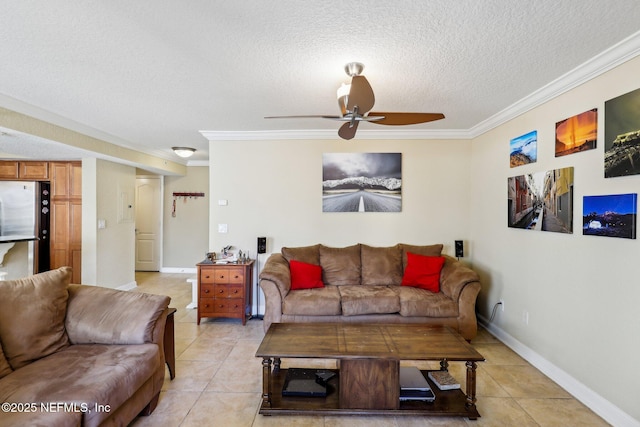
pixel 577 133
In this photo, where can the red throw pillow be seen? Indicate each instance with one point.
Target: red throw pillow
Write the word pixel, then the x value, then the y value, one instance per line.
pixel 305 276
pixel 423 272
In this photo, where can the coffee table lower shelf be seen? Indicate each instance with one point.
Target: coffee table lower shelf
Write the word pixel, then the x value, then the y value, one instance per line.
pixel 447 403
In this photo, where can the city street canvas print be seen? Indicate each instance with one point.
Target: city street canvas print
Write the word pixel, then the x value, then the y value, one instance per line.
pixel 523 149
pixel 361 182
pixel 541 201
pixel 622 135
pixel 611 215
pixel 577 133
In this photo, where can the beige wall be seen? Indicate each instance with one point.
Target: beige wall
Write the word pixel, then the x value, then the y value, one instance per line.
pixel 274 189
pixel 185 236
pixel 110 260
pixel 580 291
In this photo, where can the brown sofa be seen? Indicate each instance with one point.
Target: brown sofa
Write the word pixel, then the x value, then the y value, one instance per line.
pixel 74 355
pixel 363 284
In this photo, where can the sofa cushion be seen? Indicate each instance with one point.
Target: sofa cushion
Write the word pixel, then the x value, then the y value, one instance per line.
pixel 305 276
pixel 308 254
pixel 340 266
pixel 313 302
pixel 98 315
pixel 369 300
pixel 5 368
pixel 32 312
pixel 428 250
pixel 420 302
pixel 423 272
pixel 85 375
pixel 381 266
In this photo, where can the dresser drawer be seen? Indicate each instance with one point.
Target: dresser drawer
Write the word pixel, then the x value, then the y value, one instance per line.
pixel 229 275
pixel 211 306
pixel 229 291
pixel 207 275
pixel 207 290
pixel 207 306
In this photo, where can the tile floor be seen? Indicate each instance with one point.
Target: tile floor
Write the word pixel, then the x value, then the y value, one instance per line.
pixel 219 380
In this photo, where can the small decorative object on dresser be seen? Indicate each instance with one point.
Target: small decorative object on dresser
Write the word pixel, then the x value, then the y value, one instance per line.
pixel 444 380
pixel 224 290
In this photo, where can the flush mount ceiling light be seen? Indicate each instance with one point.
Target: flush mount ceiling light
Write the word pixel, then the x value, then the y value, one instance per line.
pixel 184 151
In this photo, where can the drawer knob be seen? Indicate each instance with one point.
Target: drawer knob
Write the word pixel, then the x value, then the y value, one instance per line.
pixel 221 291
pixel 206 291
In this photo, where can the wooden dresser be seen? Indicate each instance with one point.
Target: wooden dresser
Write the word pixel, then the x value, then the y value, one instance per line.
pixel 224 290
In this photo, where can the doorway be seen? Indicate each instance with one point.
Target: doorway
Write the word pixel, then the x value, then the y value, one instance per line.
pixel 148 223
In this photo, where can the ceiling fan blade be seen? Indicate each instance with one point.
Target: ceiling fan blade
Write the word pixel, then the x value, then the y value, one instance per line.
pixel 361 95
pixel 304 117
pixel 398 119
pixel 348 130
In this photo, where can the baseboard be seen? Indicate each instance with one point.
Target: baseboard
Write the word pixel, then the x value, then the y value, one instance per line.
pixel 190 270
pixel 128 286
pixel 605 409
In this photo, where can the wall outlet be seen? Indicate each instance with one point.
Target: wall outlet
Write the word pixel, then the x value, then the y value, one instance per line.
pixel 502 304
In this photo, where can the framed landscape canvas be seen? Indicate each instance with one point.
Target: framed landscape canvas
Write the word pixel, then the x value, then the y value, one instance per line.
pixel 577 133
pixel 523 149
pixel 541 201
pixel 622 135
pixel 611 215
pixel 361 182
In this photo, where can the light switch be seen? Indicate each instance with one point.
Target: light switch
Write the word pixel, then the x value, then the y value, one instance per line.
pixel 102 223
pixel 223 228
pixel 222 202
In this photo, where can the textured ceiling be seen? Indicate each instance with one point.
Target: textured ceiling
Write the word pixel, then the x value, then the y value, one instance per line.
pixel 151 74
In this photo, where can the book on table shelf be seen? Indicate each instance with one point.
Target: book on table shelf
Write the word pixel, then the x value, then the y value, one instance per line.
pixel 443 380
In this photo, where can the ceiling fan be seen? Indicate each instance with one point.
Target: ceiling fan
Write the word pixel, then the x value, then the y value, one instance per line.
pixel 356 101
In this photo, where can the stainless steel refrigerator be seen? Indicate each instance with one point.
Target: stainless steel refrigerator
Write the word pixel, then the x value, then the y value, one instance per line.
pixel 24 216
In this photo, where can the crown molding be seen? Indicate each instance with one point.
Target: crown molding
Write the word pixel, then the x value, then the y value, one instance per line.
pixel 331 134
pixel 616 55
pixel 619 53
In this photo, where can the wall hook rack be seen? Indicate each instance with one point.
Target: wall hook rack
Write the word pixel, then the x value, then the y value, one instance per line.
pixel 185 196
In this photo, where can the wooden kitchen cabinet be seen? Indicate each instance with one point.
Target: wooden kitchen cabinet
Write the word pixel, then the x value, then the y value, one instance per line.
pixel 224 290
pixel 66 180
pixel 27 170
pixel 66 217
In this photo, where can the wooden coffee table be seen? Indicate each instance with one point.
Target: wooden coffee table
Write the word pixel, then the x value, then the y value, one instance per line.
pixel 369 358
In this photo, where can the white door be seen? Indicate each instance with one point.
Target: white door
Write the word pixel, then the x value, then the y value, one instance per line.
pixel 148 231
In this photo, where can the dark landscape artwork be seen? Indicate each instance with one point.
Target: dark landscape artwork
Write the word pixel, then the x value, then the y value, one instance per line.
pixel 577 133
pixel 541 201
pixel 611 215
pixel 622 135
pixel 523 149
pixel 361 182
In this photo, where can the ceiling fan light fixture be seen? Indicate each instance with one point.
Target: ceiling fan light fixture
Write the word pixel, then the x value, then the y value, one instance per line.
pixel 184 151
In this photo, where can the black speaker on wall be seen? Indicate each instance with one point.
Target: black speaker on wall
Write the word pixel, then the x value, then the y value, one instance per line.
pixel 262 245
pixel 459 249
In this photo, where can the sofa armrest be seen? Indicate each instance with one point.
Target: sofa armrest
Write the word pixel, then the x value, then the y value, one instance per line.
pixel 276 269
pixel 455 276
pixel 273 303
pixel 467 322
pixel 97 315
